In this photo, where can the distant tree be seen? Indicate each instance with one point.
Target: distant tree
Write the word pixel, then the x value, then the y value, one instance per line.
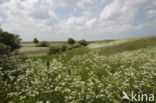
pixel 83 42
pixel 35 41
pixel 10 39
pixel 71 41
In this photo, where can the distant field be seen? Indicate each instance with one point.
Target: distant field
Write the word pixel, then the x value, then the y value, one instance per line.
pixel 30 47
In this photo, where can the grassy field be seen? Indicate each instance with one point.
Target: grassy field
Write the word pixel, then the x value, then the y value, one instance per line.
pixel 98 73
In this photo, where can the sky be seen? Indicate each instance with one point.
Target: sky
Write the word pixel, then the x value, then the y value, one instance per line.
pixel 58 20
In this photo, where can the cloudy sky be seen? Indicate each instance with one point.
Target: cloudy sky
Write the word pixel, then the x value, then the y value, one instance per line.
pixel 55 20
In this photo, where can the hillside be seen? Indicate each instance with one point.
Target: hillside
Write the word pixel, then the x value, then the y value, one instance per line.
pixel 117 46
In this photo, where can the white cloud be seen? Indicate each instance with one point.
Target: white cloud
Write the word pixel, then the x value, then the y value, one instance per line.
pixel 151 13
pixel 91 22
pixel 111 11
pixel 39 18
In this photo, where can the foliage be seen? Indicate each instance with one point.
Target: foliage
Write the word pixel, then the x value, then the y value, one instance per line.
pixel 8 65
pixel 94 78
pixel 123 45
pixel 10 39
pixel 63 48
pixel 35 40
pixel 83 42
pixel 55 49
pixel 74 46
pixel 71 41
pixel 4 49
pixel 43 44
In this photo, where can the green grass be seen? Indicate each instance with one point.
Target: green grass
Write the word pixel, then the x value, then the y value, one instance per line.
pixel 67 55
pixel 106 47
pixel 94 78
pixel 127 45
pixel 101 41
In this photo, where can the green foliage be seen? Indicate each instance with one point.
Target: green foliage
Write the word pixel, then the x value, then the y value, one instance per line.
pixel 126 45
pixel 4 49
pixel 83 42
pixel 8 65
pixel 71 41
pixel 92 76
pixel 35 40
pixel 74 46
pixel 10 39
pixel 43 44
pixel 55 49
pixel 63 48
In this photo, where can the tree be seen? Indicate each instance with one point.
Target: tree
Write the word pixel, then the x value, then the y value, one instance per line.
pixel 71 41
pixel 35 41
pixel 4 49
pixel 83 42
pixel 10 39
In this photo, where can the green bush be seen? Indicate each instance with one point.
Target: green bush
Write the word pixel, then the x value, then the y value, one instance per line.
pixel 63 48
pixel 10 39
pixel 8 65
pixel 43 44
pixel 71 41
pixel 83 42
pixel 74 46
pixel 55 49
pixel 4 49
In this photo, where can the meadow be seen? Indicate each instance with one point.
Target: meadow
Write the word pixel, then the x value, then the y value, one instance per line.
pixel 97 73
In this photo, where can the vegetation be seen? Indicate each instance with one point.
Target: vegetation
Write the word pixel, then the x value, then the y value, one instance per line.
pixel 43 44
pixel 4 49
pixel 118 46
pixel 71 41
pixel 35 41
pixel 96 73
pixel 83 42
pixel 93 78
pixel 10 39
pixel 57 49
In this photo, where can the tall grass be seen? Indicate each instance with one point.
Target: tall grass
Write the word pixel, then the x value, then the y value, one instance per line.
pixel 94 78
pixel 123 45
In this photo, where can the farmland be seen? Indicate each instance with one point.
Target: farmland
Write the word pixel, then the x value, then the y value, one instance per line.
pixel 98 73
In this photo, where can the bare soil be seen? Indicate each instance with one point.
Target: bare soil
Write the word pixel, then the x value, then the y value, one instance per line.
pixel 29 48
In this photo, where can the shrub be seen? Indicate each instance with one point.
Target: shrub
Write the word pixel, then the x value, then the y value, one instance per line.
pixel 55 49
pixel 35 41
pixel 63 48
pixel 8 65
pixel 83 42
pixel 71 41
pixel 4 49
pixel 74 46
pixel 43 44
pixel 10 39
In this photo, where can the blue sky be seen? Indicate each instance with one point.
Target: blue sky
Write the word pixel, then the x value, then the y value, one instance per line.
pixel 57 20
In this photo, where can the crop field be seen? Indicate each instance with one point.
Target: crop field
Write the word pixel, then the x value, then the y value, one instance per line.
pixel 85 74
